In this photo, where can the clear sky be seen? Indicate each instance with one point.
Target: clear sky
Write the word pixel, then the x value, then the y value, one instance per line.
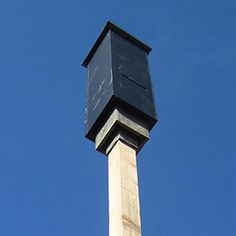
pixel 52 182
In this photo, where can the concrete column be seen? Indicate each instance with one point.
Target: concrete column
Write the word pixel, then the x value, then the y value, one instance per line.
pixel 124 210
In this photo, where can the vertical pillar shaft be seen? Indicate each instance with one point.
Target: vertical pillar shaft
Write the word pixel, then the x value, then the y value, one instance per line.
pixel 124 210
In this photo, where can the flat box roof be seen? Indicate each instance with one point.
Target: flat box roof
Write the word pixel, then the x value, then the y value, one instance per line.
pixel 110 26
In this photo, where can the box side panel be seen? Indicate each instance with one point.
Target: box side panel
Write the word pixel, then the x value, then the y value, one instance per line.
pixel 99 87
pixel 132 82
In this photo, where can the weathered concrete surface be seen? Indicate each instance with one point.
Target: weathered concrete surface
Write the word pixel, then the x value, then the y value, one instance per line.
pixel 124 210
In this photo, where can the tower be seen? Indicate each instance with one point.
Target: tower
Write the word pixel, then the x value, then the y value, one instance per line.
pixel 120 113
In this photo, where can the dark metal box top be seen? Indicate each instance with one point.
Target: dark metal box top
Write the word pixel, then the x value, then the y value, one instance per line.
pixel 118 77
pixel 113 27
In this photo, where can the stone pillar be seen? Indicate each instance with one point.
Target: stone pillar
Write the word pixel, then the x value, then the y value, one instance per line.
pixel 121 138
pixel 120 113
pixel 124 210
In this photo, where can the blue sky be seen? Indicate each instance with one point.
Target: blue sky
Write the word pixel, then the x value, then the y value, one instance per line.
pixel 52 182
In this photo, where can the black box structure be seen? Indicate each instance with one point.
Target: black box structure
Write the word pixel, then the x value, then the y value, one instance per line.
pixel 118 77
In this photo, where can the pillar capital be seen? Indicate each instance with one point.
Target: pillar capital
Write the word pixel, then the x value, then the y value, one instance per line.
pixel 124 126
